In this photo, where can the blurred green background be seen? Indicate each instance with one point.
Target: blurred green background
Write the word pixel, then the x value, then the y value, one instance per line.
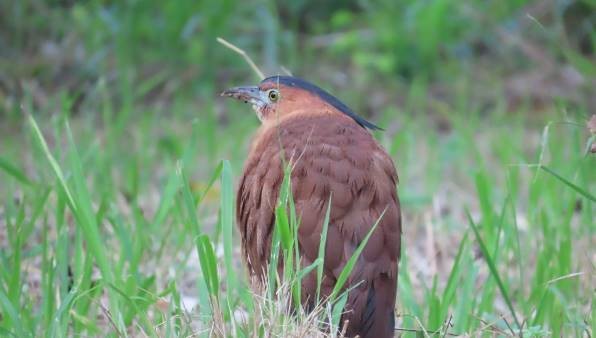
pixel 485 104
pixel 521 51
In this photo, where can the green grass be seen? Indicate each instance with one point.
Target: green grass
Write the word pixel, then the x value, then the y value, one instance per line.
pixel 117 189
pixel 87 251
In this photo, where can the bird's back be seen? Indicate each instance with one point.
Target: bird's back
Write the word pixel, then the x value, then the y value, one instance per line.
pixel 331 157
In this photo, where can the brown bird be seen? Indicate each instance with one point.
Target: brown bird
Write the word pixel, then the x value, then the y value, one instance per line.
pixel 332 154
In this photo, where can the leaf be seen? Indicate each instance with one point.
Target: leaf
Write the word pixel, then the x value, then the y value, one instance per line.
pixel 322 246
pixel 227 224
pixel 283 225
pixel 189 200
pixel 583 192
pixel 493 269
pixel 208 262
pixel 453 281
pixel 581 63
pixel 167 200
pixel 337 311
pixel 11 313
pixel 347 270
pixel 65 306
pixel 302 273
pixel 216 175
pixel 15 172
pixel 53 163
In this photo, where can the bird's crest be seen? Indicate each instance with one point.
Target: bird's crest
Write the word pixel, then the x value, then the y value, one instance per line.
pixel 291 81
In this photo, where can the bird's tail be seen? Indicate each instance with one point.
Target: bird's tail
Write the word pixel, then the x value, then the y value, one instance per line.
pixel 374 313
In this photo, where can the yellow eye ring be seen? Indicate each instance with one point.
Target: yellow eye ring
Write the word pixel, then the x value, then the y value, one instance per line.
pixel 273 95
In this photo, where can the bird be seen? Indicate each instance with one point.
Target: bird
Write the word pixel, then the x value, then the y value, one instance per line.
pixel 334 159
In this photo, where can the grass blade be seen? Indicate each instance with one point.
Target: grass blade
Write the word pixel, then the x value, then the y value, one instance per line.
pixel 11 313
pixel 208 262
pixel 214 177
pixel 189 200
pixel 338 309
pixel 322 246
pixel 53 163
pixel 302 273
pixel 347 270
pixel 493 270
pixel 15 172
pixel 453 279
pixel 283 225
pixel 167 200
pixel 227 224
pixel 568 183
pixel 65 305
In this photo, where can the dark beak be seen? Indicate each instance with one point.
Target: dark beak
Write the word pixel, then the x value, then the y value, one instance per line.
pixel 246 94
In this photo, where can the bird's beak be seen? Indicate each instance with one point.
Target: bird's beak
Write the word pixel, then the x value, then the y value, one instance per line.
pixel 250 95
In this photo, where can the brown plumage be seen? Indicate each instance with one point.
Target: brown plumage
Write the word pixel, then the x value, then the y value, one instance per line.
pixel 332 154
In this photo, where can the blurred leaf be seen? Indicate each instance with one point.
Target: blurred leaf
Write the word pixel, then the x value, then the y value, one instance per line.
pixel 208 262
pixel 347 270
pixel 493 270
pixel 322 248
pixel 584 65
pixel 568 183
pixel 11 314
pixel 15 172
pixel 227 226
pixel 453 282
pixel 338 309
pixel 283 225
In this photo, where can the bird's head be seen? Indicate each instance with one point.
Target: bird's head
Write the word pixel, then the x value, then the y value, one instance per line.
pixel 277 96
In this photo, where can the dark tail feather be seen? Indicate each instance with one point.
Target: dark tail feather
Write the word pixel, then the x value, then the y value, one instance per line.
pixel 374 317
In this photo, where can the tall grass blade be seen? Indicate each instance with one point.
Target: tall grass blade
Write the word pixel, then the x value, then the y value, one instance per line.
pixel 53 163
pixel 167 200
pixel 227 225
pixel 337 311
pixel 322 247
pixel 283 225
pixel 493 270
pixel 11 314
pixel 189 200
pixel 85 213
pixel 15 172
pixel 453 279
pixel 214 177
pixel 58 324
pixel 208 262
pixel 347 270
pixel 568 183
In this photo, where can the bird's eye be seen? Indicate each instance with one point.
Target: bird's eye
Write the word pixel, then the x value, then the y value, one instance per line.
pixel 273 95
